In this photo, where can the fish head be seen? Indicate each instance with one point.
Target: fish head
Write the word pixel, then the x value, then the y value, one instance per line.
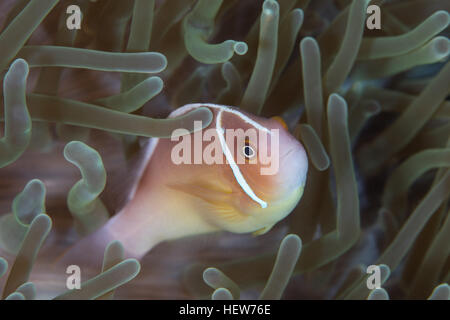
pixel 247 174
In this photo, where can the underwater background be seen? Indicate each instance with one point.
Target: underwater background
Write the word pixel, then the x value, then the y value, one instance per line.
pixel 371 107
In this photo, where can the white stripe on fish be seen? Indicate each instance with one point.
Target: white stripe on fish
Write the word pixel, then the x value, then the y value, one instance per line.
pixel 153 142
pixel 237 173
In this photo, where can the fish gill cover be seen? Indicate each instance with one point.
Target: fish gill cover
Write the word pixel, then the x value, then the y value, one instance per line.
pixel 370 104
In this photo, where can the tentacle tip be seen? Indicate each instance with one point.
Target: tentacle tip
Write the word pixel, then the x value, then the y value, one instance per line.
pixel 20 65
pixel 298 12
pixel 442 46
pixel 336 98
pixel 70 147
pixel 270 7
pixel 443 17
pixel 307 41
pixel 294 239
pixel 240 48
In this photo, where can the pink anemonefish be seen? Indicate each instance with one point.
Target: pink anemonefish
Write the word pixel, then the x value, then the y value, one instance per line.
pixel 172 199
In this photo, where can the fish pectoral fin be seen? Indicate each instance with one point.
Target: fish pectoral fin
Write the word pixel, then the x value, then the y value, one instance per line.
pixel 262 230
pixel 217 198
pixel 227 212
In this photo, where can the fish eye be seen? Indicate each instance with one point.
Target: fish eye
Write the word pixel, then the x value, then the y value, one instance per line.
pixel 248 150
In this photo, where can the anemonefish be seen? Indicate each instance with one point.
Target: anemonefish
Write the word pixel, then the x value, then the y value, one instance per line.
pixel 256 180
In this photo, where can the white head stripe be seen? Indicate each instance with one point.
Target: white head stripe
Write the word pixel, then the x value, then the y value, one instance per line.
pixel 221 108
pixel 247 119
pixel 237 173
